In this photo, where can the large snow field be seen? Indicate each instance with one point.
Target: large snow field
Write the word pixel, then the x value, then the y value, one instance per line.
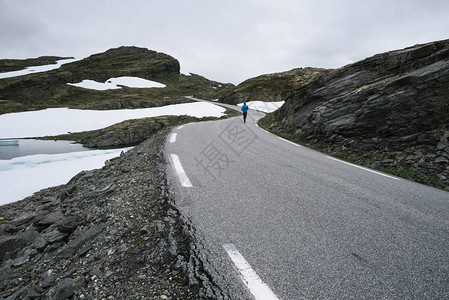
pixel 114 83
pixel 266 107
pixel 20 177
pixel 36 69
pixel 55 121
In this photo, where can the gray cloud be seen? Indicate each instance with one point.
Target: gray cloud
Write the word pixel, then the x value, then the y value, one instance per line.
pixel 227 41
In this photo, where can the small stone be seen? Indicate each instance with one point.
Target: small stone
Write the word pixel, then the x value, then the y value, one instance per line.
pixel 48 281
pixel 415 156
pixel 40 243
pixel 68 287
pixel 163 297
pixel 18 261
pixel 442 177
pixel 31 293
pixel 441 159
pixel 442 145
pixel 145 229
pixel 53 236
pixel 21 220
pixel 387 161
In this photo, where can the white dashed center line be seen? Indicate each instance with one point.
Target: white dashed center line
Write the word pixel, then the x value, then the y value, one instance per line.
pixel 173 137
pixel 256 286
pixel 180 171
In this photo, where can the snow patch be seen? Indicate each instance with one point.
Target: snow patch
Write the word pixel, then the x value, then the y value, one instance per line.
pixel 37 69
pixel 117 82
pixel 22 176
pixel 266 107
pixel 55 121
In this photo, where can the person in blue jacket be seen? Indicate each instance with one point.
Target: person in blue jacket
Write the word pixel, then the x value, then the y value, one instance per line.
pixel 245 111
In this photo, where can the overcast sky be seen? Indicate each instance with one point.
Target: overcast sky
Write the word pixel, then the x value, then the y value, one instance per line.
pixel 226 40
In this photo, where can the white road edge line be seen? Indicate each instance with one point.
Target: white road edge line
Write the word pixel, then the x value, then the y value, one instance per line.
pixel 366 169
pixel 179 127
pixel 180 171
pixel 290 142
pixel 256 286
pixel 173 137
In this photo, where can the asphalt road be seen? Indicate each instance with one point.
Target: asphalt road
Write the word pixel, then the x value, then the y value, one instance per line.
pixel 310 226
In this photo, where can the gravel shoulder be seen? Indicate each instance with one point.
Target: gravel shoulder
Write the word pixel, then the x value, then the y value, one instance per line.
pixel 110 233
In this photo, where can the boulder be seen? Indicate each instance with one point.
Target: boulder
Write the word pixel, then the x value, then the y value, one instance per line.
pixel 10 244
pixel 387 96
pixel 68 287
pixel 74 245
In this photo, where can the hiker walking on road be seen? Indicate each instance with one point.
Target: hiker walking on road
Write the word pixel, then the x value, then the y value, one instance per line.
pixel 245 111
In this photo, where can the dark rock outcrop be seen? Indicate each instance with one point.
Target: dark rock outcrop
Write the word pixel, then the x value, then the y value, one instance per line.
pixel 394 103
pixel 393 94
pixel 272 87
pixel 122 61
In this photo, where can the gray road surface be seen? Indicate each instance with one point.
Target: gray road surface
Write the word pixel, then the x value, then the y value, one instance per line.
pixel 310 226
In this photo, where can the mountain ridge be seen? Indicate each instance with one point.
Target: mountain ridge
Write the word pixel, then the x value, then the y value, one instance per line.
pixel 50 89
pixel 272 87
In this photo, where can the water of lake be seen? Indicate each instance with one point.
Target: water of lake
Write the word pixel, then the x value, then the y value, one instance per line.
pixel 22 147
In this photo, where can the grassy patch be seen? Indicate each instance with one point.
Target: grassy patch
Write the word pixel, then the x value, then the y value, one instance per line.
pixel 4 221
pixel 413 175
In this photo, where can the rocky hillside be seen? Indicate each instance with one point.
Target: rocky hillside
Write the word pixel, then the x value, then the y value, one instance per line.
pixel 393 107
pixel 50 89
pixel 272 87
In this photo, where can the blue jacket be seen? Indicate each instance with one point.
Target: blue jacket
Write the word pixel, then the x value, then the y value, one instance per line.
pixel 245 108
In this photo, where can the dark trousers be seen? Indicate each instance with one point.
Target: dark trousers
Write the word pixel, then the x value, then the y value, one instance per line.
pixel 244 117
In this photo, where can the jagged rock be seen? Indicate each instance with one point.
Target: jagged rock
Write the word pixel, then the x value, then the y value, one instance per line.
pixel 45 219
pixel 40 243
pixel 30 234
pixel 53 236
pixel 10 244
pixel 67 288
pixel 71 220
pixel 74 245
pixel 32 293
pixel 22 220
pixel 48 281
pixel 21 260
